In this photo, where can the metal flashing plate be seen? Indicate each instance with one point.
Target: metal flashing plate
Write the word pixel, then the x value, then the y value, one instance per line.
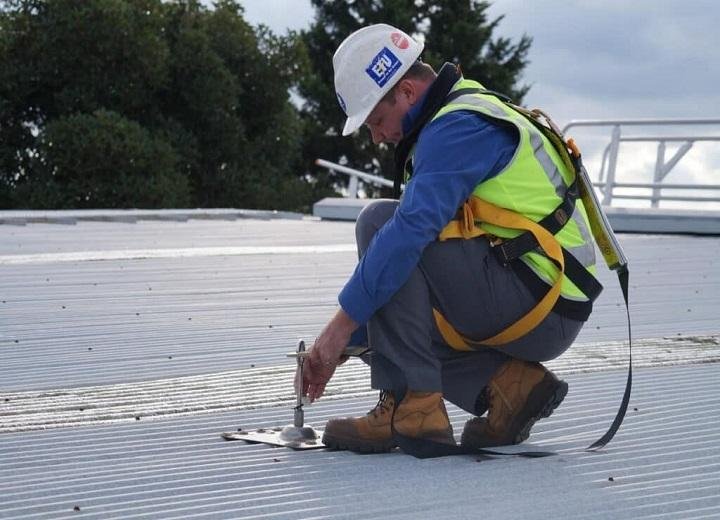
pixel 286 437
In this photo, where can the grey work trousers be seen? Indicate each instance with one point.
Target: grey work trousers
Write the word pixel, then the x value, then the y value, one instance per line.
pixel 477 294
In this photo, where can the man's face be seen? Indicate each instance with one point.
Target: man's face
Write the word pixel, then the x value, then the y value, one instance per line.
pixel 385 121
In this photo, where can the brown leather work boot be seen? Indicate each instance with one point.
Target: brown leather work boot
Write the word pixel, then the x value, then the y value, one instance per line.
pixel 420 414
pixel 519 394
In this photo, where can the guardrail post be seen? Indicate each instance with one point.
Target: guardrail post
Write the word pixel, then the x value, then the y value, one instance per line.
pixel 658 176
pixel 612 164
pixel 353 187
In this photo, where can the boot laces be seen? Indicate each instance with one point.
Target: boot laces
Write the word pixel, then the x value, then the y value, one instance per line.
pixel 491 402
pixel 384 405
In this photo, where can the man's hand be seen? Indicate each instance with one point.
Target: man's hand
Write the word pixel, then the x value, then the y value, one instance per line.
pixel 326 354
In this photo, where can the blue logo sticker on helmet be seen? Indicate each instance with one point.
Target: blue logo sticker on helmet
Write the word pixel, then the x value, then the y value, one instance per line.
pixel 342 103
pixel 383 67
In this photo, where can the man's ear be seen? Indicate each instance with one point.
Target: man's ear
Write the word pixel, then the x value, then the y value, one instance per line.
pixel 409 89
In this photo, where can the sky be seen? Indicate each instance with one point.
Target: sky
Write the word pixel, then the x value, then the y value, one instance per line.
pixel 603 59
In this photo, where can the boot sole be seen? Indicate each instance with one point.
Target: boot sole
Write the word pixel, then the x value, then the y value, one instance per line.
pixel 546 409
pixel 541 403
pixel 337 443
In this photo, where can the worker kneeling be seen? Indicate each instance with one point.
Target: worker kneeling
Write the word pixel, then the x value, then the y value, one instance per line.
pixel 464 284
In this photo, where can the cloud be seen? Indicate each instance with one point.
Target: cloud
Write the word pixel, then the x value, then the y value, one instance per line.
pixel 659 58
pixel 279 15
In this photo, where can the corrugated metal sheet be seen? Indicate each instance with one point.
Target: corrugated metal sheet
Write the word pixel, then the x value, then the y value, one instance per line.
pixel 194 345
pixel 248 388
pixel 663 464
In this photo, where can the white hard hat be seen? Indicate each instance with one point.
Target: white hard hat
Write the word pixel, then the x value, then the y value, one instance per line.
pixel 367 65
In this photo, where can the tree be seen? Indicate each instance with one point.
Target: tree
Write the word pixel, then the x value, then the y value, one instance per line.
pixel 61 57
pixel 117 82
pixel 104 160
pixel 454 30
pixel 229 87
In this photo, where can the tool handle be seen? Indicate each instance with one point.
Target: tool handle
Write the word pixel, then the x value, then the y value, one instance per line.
pixel 352 351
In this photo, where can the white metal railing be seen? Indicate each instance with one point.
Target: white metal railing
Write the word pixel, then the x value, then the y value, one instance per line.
pixel 354 175
pixel 608 169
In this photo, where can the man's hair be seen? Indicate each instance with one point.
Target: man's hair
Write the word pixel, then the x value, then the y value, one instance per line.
pixel 418 70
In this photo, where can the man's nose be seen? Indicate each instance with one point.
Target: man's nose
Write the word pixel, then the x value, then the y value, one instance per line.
pixel 377 135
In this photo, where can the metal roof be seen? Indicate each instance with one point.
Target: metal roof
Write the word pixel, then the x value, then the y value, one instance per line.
pixel 120 366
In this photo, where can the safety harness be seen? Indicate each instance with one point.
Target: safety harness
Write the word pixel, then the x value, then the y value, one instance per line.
pixel 534 236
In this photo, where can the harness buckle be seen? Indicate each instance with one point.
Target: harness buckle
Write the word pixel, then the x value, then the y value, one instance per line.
pixel 500 250
pixel 496 243
pixel 561 216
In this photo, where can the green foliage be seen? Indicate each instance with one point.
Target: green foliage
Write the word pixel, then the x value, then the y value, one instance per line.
pixel 152 103
pixel 458 31
pixel 104 160
pixel 230 86
pixel 144 103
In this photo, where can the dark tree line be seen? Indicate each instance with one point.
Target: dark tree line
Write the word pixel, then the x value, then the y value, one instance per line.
pixel 150 103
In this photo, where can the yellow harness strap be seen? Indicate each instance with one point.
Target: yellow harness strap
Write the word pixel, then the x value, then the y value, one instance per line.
pixel 463 227
pixel 478 210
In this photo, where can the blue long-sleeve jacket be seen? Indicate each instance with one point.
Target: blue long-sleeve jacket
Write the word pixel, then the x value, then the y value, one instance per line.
pixel 453 154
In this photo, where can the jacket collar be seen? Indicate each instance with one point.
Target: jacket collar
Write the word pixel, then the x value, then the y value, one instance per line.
pixel 419 115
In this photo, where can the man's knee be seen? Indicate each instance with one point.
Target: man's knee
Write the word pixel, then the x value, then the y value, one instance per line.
pixel 371 218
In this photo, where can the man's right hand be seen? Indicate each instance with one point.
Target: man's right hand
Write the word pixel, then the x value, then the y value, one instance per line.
pixel 326 354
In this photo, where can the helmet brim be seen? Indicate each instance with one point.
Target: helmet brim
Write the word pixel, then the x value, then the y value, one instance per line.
pixel 356 121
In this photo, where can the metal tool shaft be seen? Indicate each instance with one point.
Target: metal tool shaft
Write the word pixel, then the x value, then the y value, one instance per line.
pixel 299 416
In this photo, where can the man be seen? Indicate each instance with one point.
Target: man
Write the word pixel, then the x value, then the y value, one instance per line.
pixel 446 316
